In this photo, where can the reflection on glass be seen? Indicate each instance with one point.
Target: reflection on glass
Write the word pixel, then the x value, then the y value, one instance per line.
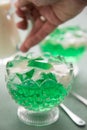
pixel 38 84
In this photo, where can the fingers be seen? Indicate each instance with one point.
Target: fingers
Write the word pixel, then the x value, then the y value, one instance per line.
pixel 38 24
pixel 35 29
pixel 20 13
pixel 36 38
pixel 22 24
pixel 29 12
pixel 48 13
pixel 40 29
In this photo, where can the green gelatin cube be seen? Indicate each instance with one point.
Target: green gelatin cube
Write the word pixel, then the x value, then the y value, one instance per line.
pixel 25 76
pixel 44 77
pixel 48 76
pixel 39 64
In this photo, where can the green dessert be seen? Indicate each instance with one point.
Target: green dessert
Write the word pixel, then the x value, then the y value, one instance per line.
pixel 38 83
pixel 70 42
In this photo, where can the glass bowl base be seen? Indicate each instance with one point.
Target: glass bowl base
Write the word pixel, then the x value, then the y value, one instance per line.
pixel 38 118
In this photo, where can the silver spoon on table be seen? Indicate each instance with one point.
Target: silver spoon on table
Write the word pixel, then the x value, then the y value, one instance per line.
pixel 77 120
pixel 80 98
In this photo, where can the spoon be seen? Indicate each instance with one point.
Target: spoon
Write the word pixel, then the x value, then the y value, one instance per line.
pixel 77 120
pixel 80 98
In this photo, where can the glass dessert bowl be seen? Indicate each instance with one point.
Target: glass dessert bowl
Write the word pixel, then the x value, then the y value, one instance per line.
pixel 70 42
pixel 38 85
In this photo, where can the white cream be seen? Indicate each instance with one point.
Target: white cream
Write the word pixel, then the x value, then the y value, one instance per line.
pixel 21 67
pixel 63 73
pixel 71 40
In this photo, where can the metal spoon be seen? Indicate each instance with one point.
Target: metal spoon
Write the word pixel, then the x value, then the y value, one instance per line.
pixel 80 98
pixel 77 120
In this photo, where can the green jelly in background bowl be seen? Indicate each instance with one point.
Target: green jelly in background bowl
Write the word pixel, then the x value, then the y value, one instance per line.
pixel 38 84
pixel 70 42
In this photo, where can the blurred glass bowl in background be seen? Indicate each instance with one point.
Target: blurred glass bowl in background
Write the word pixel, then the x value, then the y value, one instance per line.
pixel 70 42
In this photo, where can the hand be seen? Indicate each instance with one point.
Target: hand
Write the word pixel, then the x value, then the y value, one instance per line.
pixel 54 14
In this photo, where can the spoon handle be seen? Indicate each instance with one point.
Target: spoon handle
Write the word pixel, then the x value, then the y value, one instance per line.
pixel 77 120
pixel 80 98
